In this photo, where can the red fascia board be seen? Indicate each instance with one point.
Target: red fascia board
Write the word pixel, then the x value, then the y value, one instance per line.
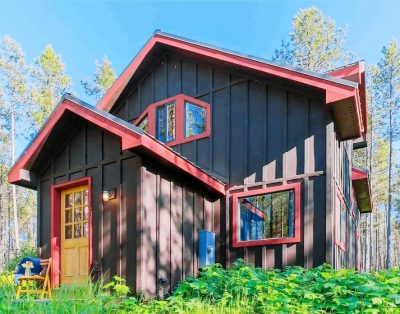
pixel 351 72
pixel 357 174
pixel 167 154
pixel 356 73
pixel 236 243
pixel 334 90
pixel 129 138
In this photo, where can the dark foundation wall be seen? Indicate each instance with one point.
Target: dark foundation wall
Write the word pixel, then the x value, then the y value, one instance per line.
pixel 172 212
pixel 92 152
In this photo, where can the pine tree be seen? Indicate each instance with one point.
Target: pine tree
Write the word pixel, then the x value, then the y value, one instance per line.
pixel 14 98
pixel 315 43
pixel 104 77
pixel 387 84
pixel 51 82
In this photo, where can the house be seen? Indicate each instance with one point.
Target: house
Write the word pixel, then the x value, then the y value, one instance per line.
pixel 193 137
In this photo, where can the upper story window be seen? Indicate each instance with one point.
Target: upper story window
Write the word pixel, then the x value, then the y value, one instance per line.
pixel 144 124
pixel 195 120
pixel 177 120
pixel 166 122
pixel 266 216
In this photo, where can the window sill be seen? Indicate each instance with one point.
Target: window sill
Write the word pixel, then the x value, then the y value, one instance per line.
pixel 250 243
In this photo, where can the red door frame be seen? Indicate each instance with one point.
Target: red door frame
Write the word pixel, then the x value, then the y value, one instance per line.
pixel 55 228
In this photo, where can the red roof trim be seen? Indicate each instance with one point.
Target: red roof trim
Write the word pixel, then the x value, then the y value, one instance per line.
pixel 130 140
pixel 334 90
pixel 356 73
pixel 357 174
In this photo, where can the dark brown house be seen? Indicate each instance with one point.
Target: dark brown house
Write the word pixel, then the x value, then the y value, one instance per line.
pixel 192 137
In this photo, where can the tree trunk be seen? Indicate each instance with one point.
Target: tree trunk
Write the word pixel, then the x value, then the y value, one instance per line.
pixel 14 190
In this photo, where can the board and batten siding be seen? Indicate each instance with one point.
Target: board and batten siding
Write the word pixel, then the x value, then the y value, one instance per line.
pixel 170 217
pixel 262 130
pixel 93 152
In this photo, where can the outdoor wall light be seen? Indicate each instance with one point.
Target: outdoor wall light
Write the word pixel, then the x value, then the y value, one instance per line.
pixel 109 195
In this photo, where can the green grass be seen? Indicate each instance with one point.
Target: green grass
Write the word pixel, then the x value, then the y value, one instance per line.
pixel 239 289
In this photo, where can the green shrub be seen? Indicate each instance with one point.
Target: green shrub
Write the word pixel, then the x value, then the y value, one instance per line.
pixel 239 289
pixel 26 251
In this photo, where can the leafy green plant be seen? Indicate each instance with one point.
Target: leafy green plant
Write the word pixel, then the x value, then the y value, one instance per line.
pixel 25 251
pixel 238 289
pixel 117 287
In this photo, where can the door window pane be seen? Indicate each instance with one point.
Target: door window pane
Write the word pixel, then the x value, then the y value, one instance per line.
pixel 85 230
pixel 77 214
pixel 78 198
pixel 266 216
pixel 68 200
pixel 68 216
pixel 85 197
pixel 86 213
pixel 68 232
pixel 195 120
pixel 77 230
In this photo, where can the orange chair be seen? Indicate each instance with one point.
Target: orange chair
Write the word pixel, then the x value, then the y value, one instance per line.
pixel 45 288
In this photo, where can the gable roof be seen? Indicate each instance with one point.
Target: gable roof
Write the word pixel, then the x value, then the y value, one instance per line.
pixel 342 94
pixel 131 136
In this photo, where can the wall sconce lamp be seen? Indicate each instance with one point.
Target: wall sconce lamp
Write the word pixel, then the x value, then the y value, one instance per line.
pixel 109 195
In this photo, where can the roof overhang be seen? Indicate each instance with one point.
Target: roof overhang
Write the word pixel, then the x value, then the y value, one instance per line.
pixel 362 190
pixel 355 73
pixel 345 96
pixel 132 138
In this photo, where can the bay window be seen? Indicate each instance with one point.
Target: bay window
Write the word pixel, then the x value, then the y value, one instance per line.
pixel 176 120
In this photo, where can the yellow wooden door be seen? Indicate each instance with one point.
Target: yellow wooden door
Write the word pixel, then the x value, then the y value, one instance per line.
pixel 75 235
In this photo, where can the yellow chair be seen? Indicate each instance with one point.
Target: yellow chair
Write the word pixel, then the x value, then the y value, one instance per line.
pixel 45 288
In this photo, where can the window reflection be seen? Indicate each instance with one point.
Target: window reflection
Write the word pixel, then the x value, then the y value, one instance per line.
pixel 267 216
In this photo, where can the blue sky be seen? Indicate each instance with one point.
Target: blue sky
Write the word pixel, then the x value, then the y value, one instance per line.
pixel 84 31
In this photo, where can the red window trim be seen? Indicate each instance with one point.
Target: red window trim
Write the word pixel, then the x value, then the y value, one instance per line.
pixel 340 198
pixel 297 216
pixel 179 100
pixel 55 228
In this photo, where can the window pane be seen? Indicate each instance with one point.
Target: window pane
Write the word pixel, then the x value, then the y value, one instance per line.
pixel 78 198
pixel 68 216
pixel 195 120
pixel 166 123
pixel 68 232
pixel 77 214
pixel 68 200
pixel 144 125
pixel 267 216
pixel 77 231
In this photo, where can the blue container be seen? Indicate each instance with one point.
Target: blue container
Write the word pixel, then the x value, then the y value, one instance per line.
pixel 206 248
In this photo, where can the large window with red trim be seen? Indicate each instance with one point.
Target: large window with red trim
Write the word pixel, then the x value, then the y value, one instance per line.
pixel 176 120
pixel 266 216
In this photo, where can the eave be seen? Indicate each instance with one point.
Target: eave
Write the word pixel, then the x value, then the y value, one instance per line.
pixel 362 190
pixel 132 138
pixel 344 96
